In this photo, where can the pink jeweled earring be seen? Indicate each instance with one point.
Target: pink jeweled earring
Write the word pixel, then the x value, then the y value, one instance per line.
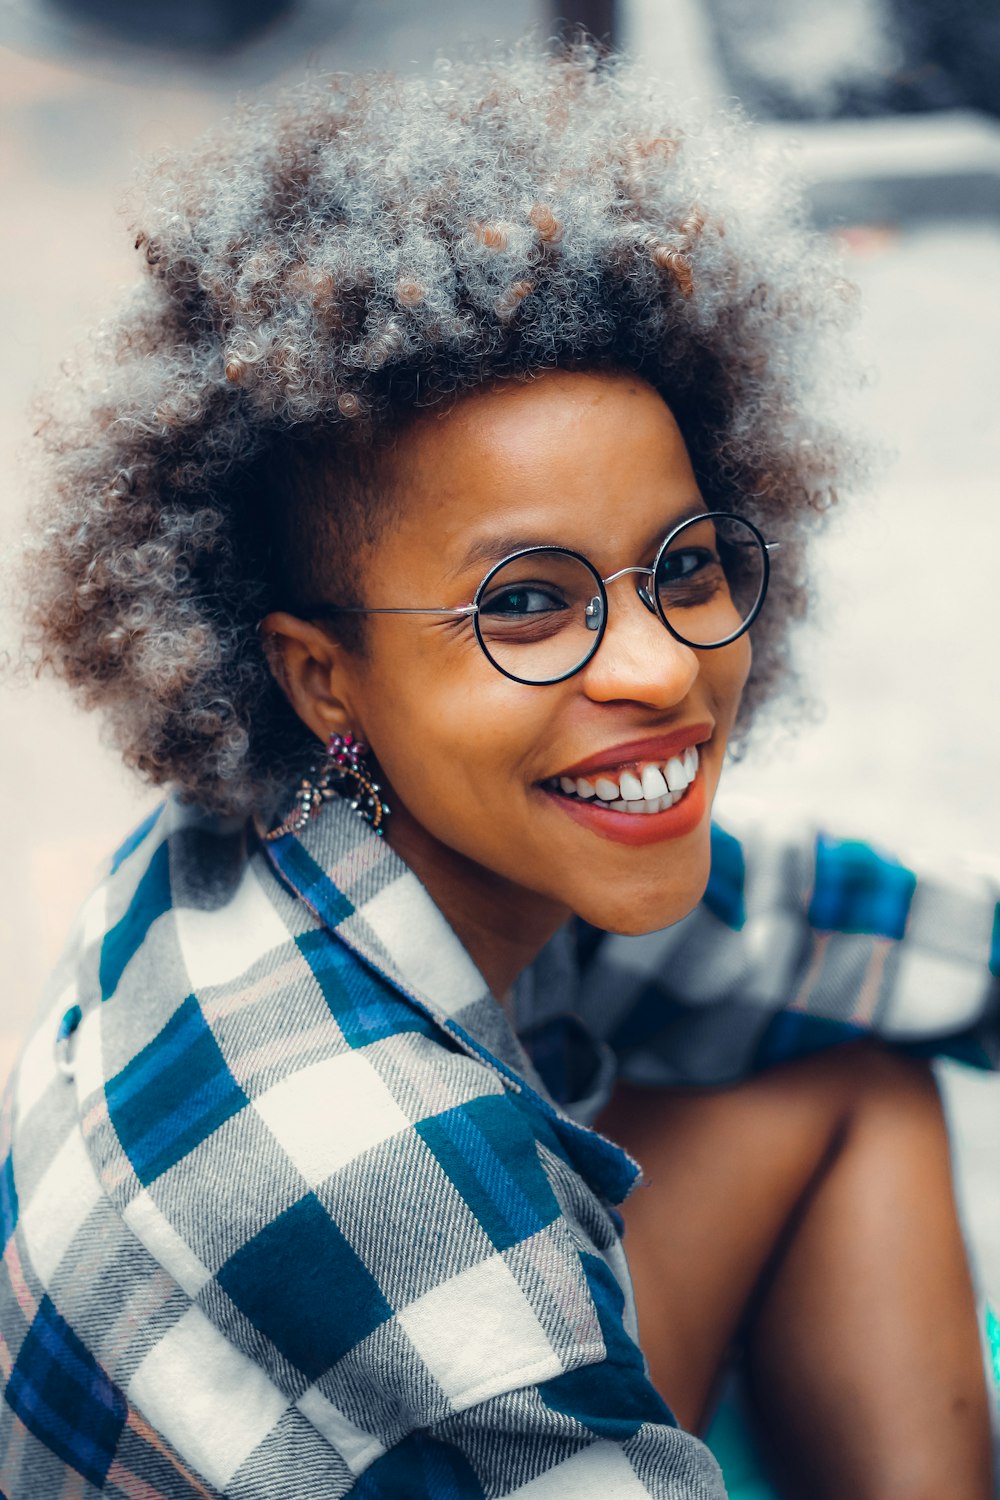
pixel 344 773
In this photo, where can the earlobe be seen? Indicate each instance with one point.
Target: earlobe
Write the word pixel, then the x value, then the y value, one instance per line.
pixel 309 666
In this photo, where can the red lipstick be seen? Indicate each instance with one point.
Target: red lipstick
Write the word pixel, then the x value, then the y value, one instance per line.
pixel 654 750
pixel 646 828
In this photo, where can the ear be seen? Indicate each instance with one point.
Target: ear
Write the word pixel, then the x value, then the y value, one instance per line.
pixel 312 670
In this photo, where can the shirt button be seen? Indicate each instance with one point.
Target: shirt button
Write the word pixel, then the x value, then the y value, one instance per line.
pixel 64 1034
pixel 69 1023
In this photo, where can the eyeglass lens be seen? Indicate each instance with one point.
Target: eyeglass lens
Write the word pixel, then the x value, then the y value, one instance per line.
pixel 541 612
pixel 710 579
pixel 532 621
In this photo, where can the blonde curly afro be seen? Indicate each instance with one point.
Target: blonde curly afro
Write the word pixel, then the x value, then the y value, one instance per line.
pixel 364 246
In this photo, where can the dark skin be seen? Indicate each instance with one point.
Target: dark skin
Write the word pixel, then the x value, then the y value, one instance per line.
pixel 808 1210
pixel 464 750
pixel 809 1213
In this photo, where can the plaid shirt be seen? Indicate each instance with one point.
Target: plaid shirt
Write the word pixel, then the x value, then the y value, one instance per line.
pixel 288 1208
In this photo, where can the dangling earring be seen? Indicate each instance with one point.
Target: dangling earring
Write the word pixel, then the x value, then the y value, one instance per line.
pixel 344 774
pixel 346 759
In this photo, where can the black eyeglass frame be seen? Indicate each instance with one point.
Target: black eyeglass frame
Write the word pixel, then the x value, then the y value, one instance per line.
pixel 650 599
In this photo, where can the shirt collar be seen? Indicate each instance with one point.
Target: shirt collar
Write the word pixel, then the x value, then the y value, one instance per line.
pixel 361 891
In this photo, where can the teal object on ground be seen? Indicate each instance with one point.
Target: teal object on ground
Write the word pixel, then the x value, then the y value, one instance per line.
pixel 993 1340
pixel 733 1444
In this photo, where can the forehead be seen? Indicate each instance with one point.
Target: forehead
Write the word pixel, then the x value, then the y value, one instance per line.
pixel 585 459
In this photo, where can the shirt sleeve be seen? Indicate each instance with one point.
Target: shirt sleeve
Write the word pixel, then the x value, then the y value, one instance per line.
pixel 510 1365
pixel 599 1432
pixel 436 1403
pixel 804 939
pixel 393 1276
pixel 282 1232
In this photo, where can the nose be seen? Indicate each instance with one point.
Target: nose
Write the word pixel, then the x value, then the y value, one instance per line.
pixel 639 659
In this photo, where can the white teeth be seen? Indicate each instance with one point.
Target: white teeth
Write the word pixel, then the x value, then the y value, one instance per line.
pixel 653 784
pixel 653 791
pixel 677 777
pixel 657 804
pixel 631 787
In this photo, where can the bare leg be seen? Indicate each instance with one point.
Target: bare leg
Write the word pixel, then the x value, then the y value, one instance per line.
pixel 812 1206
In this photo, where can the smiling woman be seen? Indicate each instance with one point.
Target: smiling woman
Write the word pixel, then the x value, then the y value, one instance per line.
pixel 369 252
pixel 414 529
pixel 474 813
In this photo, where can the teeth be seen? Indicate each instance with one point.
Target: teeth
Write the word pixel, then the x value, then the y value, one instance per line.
pixel 631 787
pixel 677 777
pixel 653 791
pixel 653 784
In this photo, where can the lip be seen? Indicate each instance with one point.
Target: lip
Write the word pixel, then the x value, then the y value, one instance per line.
pixel 658 747
pixel 647 828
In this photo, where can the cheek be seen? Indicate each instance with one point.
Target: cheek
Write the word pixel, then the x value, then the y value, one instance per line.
pixel 725 676
pixel 446 727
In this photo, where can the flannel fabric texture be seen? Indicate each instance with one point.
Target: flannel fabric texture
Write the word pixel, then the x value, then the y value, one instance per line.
pixel 289 1208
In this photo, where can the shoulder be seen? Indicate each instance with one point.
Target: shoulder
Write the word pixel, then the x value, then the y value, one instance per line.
pixel 804 939
pixel 345 1215
pixel 337 1190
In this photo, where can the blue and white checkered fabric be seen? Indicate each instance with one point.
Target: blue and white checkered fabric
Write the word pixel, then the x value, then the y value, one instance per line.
pixel 802 941
pixel 288 1210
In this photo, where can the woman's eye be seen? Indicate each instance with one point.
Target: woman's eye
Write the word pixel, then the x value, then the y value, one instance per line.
pixel 683 564
pixel 528 599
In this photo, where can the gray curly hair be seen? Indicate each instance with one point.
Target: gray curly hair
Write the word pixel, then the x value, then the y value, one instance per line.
pixel 363 247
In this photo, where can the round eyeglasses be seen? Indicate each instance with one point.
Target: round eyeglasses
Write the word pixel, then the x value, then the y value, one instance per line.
pixel 541 613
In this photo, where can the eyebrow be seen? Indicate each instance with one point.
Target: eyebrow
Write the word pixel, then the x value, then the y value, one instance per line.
pixel 492 549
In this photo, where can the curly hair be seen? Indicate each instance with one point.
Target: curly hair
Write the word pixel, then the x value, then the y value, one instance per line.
pixel 360 248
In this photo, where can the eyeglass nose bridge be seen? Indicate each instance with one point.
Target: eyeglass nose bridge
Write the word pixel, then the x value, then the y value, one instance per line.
pixel 594 612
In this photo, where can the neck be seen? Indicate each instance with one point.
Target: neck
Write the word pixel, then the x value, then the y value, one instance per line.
pixel 502 926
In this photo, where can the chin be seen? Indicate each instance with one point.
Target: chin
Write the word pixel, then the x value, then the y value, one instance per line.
pixel 632 918
pixel 649 901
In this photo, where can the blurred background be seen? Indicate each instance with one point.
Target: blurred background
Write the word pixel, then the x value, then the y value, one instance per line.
pixel 887 109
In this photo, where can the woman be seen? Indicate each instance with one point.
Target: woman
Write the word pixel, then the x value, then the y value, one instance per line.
pixel 453 432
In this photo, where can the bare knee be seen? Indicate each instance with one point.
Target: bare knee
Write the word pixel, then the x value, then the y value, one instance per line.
pixel 889 1092
pixel 872 1065
pixel 793 1115
pixel 855 1080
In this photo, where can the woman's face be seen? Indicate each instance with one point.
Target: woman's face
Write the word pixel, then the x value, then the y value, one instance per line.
pixel 477 766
